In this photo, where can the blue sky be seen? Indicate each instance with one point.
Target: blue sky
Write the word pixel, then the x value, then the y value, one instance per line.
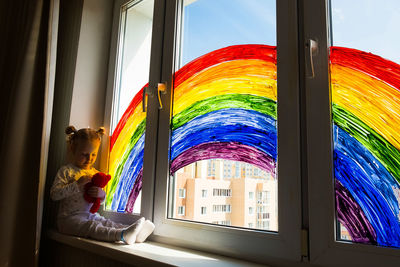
pixel 368 25
pixel 210 25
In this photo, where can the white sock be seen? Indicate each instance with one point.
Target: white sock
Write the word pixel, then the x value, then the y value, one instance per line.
pixel 147 229
pixel 130 233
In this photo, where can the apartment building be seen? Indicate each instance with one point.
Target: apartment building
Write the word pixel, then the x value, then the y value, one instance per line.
pixel 227 193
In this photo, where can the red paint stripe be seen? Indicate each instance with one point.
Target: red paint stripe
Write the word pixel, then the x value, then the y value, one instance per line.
pixel 137 99
pixel 373 65
pixel 236 52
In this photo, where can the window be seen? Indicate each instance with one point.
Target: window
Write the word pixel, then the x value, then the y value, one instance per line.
pixel 181 210
pixel 250 210
pixel 263 216
pixel 143 168
pixel 203 210
pixel 251 195
pixel 237 169
pixel 127 125
pixel 222 192
pixel 263 197
pixel 238 95
pixel 360 101
pixel 221 208
pixel 182 193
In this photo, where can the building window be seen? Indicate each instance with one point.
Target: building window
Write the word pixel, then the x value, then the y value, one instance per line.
pixel 222 192
pixel 204 193
pixel 203 210
pixel 251 195
pixel 263 216
pixel 181 210
pixel 221 208
pixel 182 193
pixel 250 210
pixel 263 197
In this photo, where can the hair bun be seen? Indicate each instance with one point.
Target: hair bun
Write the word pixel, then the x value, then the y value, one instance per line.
pixel 70 130
pixel 101 130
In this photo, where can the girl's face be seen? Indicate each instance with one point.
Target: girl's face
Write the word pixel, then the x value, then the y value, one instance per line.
pixel 85 153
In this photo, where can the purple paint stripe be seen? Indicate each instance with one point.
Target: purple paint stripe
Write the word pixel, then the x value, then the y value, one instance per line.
pixel 224 150
pixel 352 217
pixel 137 186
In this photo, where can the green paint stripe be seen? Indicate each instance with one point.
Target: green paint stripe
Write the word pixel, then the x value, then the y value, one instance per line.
pixel 253 102
pixel 383 150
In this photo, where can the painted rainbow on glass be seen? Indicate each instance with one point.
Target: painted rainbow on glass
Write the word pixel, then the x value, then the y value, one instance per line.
pixel 366 115
pixel 225 107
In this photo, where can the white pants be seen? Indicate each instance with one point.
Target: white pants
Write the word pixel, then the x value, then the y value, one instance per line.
pixel 91 226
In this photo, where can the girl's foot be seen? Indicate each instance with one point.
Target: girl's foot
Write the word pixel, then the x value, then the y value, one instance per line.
pixel 129 234
pixel 147 229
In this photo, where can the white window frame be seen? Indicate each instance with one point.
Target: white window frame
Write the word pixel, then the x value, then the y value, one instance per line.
pixel 286 243
pixel 147 192
pixel 325 250
pixel 318 205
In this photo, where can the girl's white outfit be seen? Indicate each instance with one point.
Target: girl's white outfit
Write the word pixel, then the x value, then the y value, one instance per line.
pixel 74 217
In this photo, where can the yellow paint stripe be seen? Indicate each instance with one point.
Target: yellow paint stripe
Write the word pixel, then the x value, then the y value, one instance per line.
pixel 371 100
pixel 234 77
pixel 124 137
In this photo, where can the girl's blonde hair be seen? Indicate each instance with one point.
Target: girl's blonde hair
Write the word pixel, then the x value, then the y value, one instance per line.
pixel 84 134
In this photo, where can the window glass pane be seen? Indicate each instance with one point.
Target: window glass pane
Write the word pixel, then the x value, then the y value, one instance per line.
pixel 224 129
pixel 129 120
pixel 365 87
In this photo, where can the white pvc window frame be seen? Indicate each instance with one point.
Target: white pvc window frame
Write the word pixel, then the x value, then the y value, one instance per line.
pixel 325 250
pixel 116 48
pixel 262 246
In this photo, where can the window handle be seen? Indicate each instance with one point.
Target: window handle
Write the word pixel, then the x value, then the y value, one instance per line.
pixel 161 89
pixel 146 91
pixel 311 51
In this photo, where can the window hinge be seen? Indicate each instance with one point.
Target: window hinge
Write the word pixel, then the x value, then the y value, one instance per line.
pixel 304 244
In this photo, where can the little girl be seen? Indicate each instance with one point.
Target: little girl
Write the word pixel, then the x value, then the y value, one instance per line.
pixel 74 217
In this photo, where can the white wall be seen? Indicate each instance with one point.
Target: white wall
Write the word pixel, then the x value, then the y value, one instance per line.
pixel 88 98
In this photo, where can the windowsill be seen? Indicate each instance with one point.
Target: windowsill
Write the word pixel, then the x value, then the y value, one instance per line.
pixel 148 253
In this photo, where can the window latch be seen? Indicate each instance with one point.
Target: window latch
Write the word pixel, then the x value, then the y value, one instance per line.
pixel 311 51
pixel 146 90
pixel 161 89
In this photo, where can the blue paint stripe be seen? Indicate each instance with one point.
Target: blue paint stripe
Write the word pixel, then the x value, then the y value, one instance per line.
pixel 247 127
pixel 130 171
pixel 370 184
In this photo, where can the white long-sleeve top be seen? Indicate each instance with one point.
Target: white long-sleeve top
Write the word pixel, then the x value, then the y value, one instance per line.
pixel 66 190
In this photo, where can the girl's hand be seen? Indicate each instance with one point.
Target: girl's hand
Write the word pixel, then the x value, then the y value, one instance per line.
pixel 83 180
pixel 95 191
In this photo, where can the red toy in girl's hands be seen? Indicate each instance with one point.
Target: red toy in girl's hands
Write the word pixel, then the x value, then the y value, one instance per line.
pixel 100 180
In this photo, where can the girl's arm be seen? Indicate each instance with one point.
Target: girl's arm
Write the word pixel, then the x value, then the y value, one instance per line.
pixel 65 186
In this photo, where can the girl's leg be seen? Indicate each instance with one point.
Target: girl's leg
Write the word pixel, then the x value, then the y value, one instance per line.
pixel 106 222
pixel 98 231
pixel 81 225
